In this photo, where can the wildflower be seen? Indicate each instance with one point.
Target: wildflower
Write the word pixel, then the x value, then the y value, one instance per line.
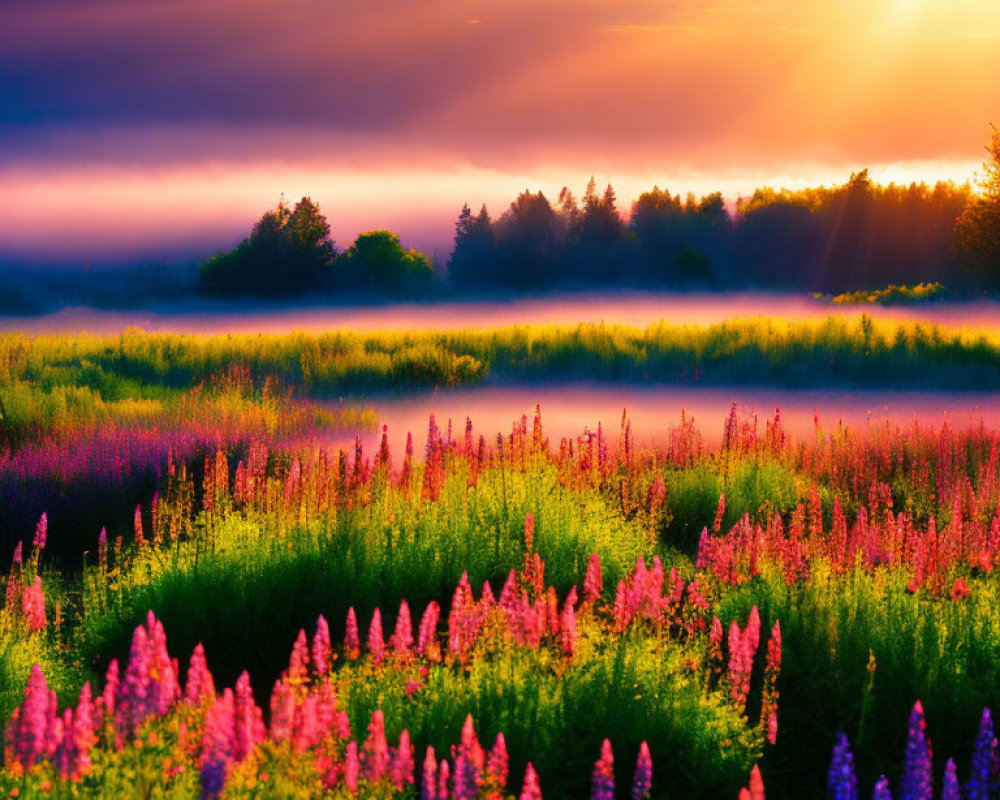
pixel 33 604
pixel 881 791
pixel 102 548
pixel 917 781
pixel 444 774
pixel 468 763
pixel 110 688
pixel 529 531
pixel 602 784
pixel 376 644
pixel 352 645
pixel 41 532
pixel 842 783
pixel 18 557
pixel 567 630
pixel 959 589
pixel 427 641
pixel 375 752
pixel 352 768
pixel 27 729
pixel 497 763
pixel 298 663
pixel 642 782
pixel 428 787
pixel 530 790
pixel 950 790
pixel 217 746
pixel 321 647
pixel 978 787
pixel 200 687
pixel 756 785
pixel 402 639
pixel 248 721
pixel 282 711
pixel 402 764
pixel 137 525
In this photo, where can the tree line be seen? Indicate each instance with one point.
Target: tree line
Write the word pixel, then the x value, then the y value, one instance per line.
pixel 857 236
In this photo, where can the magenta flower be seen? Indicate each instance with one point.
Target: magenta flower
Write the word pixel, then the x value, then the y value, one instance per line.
pixel 567 630
pixel 200 687
pixel 321 647
pixel 18 557
pixel 402 639
pixel 427 642
pixel 282 711
pixel 498 763
pixel 881 791
pixel 298 662
pixel 352 643
pixel 217 746
pixel 375 752
pixel 978 787
pixel 444 774
pixel 102 548
pixel 27 730
pixel 41 532
pixel 950 790
pixel 401 771
pixel 469 763
pixel 248 720
pixel 352 768
pixel 530 789
pixel 602 784
pixel 376 644
pixel 111 682
pixel 428 786
pixel 33 604
pixel 642 783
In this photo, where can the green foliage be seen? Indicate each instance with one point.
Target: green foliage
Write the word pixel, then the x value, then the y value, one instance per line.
pixel 378 261
pixel 977 232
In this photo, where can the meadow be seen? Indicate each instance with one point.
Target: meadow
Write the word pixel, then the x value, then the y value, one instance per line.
pixel 205 601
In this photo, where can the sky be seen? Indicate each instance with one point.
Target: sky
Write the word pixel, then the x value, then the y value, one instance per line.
pixel 164 128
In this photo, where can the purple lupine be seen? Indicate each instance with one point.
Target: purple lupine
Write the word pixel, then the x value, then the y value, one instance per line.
pixel 530 789
pixel 428 787
pixel 376 643
pixel 842 782
pixel 917 781
pixel 41 532
pixel 352 643
pixel 950 790
pixel 402 639
pixel 321 647
pixel 401 771
pixel 881 791
pixel 602 785
pixel 200 687
pixel 642 782
pixel 498 763
pixel 978 787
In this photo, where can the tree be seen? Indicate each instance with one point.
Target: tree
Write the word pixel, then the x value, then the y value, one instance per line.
pixel 286 253
pixel 473 258
pixel 976 242
pixel 382 264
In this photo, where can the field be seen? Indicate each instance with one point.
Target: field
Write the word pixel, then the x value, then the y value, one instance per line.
pixel 205 600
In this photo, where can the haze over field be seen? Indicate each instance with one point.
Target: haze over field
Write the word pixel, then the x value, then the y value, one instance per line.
pixel 162 129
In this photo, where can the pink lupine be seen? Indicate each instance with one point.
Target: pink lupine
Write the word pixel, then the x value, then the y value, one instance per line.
pixel 137 525
pixel 352 643
pixel 530 790
pixel 376 644
pixel 719 513
pixel 306 725
pixel 375 752
pixel 444 774
pixel 282 711
pixel 248 721
pixel 27 730
pixel 321 647
pixel 401 772
pixel 623 608
pixel 84 725
pixel 41 532
pixel 402 639
pixel 298 663
pixel 200 687
pixel 642 782
pixel 102 548
pixel 552 611
pixel 567 630
pixel 602 785
pixel 111 682
pixel 427 642
pixel 756 784
pixel 498 763
pixel 18 554
pixel 33 604
pixel 428 786
pixel 469 763
pixel 352 768
pixel 486 599
pixel 508 594
pixel 217 746
pixel 332 718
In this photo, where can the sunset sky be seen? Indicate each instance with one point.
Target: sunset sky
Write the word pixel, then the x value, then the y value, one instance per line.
pixel 163 128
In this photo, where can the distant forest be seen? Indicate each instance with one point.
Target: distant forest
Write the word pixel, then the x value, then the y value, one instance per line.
pixel 855 237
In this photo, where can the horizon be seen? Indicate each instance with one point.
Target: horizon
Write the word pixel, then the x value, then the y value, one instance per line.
pixel 393 117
